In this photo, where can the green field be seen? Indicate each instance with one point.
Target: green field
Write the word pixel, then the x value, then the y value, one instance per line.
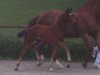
pixel 20 12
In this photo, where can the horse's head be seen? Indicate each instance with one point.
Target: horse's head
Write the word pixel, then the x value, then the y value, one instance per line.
pixel 69 11
pixel 69 15
pixel 64 19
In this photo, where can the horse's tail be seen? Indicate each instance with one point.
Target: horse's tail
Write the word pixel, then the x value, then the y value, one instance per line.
pixel 30 24
pixel 21 34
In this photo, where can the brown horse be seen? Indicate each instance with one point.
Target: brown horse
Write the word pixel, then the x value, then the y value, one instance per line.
pixel 47 18
pixel 53 35
pixel 85 23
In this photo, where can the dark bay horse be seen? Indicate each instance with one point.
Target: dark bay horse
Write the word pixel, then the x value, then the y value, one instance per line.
pixel 53 35
pixel 85 21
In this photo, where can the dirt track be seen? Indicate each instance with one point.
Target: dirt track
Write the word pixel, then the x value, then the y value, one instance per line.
pixel 30 68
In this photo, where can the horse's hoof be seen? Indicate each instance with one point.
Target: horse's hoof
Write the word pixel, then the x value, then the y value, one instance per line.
pixel 84 65
pixel 40 64
pixel 68 66
pixel 16 69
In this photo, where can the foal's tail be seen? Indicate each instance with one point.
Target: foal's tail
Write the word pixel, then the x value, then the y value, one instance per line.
pixel 30 24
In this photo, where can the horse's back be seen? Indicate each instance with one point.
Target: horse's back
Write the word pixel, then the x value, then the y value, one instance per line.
pixel 49 17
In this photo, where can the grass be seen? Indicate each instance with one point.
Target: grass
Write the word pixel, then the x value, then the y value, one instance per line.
pixel 19 12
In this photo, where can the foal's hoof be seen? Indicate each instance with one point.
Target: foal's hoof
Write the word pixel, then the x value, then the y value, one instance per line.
pixel 16 69
pixel 39 64
pixel 68 66
pixel 84 65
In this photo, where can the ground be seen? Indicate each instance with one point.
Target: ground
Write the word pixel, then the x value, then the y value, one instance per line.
pixel 30 68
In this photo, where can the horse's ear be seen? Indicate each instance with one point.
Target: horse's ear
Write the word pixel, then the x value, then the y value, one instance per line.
pixel 68 10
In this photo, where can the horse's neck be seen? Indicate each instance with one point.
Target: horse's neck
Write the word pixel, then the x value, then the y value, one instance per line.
pixel 96 8
pixel 88 5
pixel 97 3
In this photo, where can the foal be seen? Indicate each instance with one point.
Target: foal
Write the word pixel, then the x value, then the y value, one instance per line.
pixel 47 18
pixel 53 35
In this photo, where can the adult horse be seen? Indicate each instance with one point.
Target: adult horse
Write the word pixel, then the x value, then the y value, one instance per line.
pixel 53 35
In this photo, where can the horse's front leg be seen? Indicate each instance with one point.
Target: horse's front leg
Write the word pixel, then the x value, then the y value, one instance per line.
pixel 40 58
pixel 59 64
pixel 87 40
pixel 53 58
pixel 39 54
pixel 67 53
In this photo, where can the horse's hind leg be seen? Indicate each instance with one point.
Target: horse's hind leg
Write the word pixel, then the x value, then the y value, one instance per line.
pixel 39 54
pixel 24 50
pixel 27 44
pixel 90 47
pixel 67 53
pixel 40 58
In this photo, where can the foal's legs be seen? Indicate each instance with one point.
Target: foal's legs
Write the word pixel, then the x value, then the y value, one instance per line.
pixel 27 43
pixel 39 54
pixel 54 49
pixel 67 53
pixel 24 50
pixel 54 54
pixel 90 47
